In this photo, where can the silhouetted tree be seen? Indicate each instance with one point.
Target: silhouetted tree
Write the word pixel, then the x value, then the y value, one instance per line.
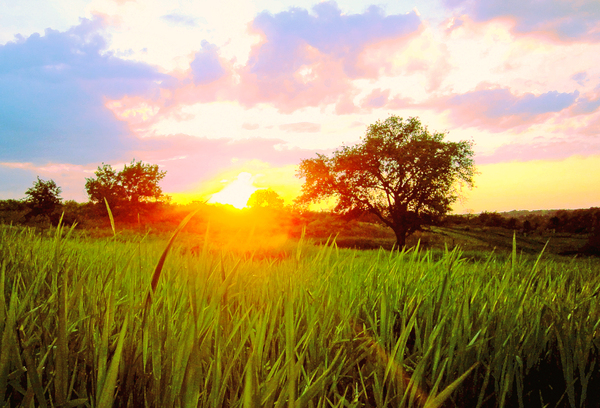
pixel 107 185
pixel 265 198
pixel 490 219
pixel 42 198
pixel 527 227
pixel 512 223
pixel 592 246
pixel 400 172
pixel 140 181
pixel 137 182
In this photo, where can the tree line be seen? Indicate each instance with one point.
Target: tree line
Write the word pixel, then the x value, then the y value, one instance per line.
pixel 400 173
pixel 127 191
pixel 578 221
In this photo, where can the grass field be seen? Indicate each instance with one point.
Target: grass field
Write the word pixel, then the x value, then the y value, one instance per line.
pixel 482 239
pixel 315 326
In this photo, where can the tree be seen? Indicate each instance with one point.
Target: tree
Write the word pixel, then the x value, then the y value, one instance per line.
pixel 140 181
pixel 137 182
pixel 107 185
pixel 42 198
pixel 265 198
pixel 402 173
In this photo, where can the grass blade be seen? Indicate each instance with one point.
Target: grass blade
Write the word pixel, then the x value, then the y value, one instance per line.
pixel 444 395
pixel 107 394
pixel 110 216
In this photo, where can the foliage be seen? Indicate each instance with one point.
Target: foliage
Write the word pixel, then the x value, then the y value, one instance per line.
pixel 43 198
pixel 140 182
pixel 324 327
pixel 579 221
pixel 106 186
pixel 265 198
pixel 136 183
pixel 400 172
pixel 12 211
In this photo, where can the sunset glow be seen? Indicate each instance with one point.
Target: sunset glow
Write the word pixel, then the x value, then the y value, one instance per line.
pixel 229 97
pixel 235 193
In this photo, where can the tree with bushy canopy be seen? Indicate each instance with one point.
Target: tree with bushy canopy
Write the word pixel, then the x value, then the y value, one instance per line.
pixel 42 198
pixel 400 171
pixel 137 182
pixel 265 198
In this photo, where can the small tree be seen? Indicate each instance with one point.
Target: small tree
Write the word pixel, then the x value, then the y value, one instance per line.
pixel 107 185
pixel 400 172
pixel 42 198
pixel 140 181
pixel 265 198
pixel 137 182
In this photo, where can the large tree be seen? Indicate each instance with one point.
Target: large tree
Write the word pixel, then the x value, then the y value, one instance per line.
pixel 42 198
pixel 400 171
pixel 137 182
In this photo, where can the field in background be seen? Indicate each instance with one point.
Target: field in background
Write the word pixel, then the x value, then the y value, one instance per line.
pixel 470 239
pixel 285 323
pixel 567 232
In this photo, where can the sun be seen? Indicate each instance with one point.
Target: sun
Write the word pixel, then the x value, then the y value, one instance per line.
pixel 235 193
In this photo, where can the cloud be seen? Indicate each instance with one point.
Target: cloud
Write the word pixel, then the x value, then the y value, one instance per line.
pixel 310 59
pixel 250 126
pixel 53 90
pixel 303 60
pixel 580 77
pixel 499 109
pixel 564 20
pixel 206 66
pixel 301 127
pixel 376 99
pixel 541 150
pixel 180 19
pixel 586 105
pixel 189 159
pixel 328 31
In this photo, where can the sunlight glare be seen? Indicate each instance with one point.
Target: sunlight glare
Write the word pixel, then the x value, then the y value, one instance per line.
pixel 235 193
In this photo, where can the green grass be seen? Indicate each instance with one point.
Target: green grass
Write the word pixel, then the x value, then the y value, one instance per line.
pixel 318 327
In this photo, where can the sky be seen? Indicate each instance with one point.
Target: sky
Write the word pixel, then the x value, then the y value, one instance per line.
pixel 228 97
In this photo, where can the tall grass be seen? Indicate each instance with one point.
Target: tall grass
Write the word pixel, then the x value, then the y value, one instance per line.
pixel 324 327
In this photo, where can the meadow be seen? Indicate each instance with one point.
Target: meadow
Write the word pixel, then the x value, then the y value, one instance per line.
pixel 133 320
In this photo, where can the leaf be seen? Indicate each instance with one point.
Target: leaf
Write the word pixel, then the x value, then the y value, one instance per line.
pixel 107 395
pixel 444 395
pixel 110 216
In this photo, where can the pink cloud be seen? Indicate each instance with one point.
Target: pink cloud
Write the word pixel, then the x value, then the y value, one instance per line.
pixel 376 99
pixel 303 60
pixel 327 30
pixel 323 82
pixel 561 20
pixel 499 109
pixel 542 150
pixel 188 159
pixel 587 103
pixel 416 53
pixel 580 77
pixel 310 59
pixel 345 105
pixel 301 127
pixel 250 126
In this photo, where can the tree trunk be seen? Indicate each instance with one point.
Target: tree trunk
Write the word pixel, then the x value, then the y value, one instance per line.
pixel 400 238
